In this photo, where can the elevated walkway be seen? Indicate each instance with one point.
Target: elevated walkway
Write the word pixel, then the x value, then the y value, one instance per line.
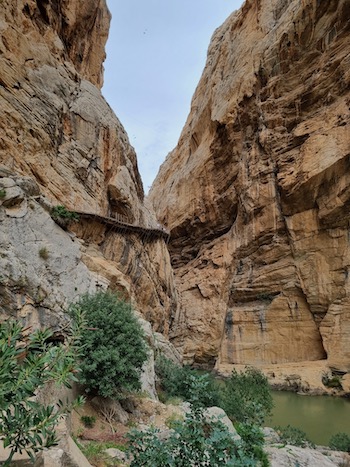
pixel 121 224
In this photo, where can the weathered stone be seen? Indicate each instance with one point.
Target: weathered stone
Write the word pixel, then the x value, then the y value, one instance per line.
pixel 67 455
pixel 116 454
pixel 270 435
pixel 256 192
pixel 41 269
pixel 148 377
pixel 218 414
pixel 163 347
pixel 345 382
pixel 289 456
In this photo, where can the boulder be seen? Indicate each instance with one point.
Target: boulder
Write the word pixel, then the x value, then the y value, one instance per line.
pixel 218 414
pixel 289 456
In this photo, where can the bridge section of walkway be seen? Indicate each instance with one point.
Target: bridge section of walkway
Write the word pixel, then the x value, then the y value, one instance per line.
pixel 120 224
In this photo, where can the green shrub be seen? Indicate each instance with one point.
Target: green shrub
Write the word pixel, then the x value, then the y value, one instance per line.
pixel 2 194
pixel 253 441
pixel 62 216
pixel 28 362
pixel 340 442
pixel 246 397
pixel 294 436
pixel 88 420
pixel 332 381
pixel 169 375
pixel 114 347
pixel 43 253
pixel 173 419
pixel 95 451
pixel 195 441
pixel 177 381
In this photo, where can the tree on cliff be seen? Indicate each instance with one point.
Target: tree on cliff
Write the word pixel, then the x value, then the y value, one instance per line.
pixel 114 347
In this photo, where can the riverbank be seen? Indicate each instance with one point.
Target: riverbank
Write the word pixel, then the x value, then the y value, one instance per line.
pixel 303 377
pixel 320 417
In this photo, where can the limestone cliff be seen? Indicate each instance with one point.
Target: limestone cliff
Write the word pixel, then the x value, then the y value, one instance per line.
pixel 61 144
pixel 256 193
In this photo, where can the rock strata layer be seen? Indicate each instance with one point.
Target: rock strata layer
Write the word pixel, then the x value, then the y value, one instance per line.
pixel 256 193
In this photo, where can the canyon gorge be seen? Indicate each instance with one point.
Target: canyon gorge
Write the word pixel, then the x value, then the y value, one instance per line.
pixel 256 192
pixel 255 195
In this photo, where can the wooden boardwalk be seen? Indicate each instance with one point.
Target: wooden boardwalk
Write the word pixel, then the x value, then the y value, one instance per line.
pixel 121 224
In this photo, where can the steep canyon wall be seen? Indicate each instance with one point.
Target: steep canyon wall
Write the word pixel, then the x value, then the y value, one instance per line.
pixel 256 193
pixel 61 144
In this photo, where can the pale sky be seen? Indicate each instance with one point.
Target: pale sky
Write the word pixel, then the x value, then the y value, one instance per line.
pixel 156 53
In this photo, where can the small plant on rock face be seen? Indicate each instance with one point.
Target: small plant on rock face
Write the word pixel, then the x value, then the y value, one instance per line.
pixel 2 193
pixel 173 420
pixel 62 216
pixel 43 253
pixel 88 421
pixel 332 381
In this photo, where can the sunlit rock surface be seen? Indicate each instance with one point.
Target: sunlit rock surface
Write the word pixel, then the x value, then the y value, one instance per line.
pixel 256 193
pixel 57 130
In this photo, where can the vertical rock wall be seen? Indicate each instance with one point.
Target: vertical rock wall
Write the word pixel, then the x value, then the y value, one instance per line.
pixel 256 192
pixel 58 134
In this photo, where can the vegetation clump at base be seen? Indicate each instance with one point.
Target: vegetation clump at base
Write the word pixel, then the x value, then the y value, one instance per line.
pixel 176 381
pixel 340 442
pixel 246 396
pixel 113 345
pixel 88 421
pixel 332 381
pixel 195 441
pixel 293 436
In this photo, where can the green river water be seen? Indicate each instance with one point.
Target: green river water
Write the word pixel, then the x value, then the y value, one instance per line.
pixel 319 417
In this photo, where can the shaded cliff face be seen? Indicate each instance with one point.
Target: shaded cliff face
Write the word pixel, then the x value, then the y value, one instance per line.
pixel 256 194
pixel 58 133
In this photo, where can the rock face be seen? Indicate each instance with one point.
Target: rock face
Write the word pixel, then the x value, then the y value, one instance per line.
pixel 61 142
pixel 41 267
pixel 288 456
pixel 256 194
